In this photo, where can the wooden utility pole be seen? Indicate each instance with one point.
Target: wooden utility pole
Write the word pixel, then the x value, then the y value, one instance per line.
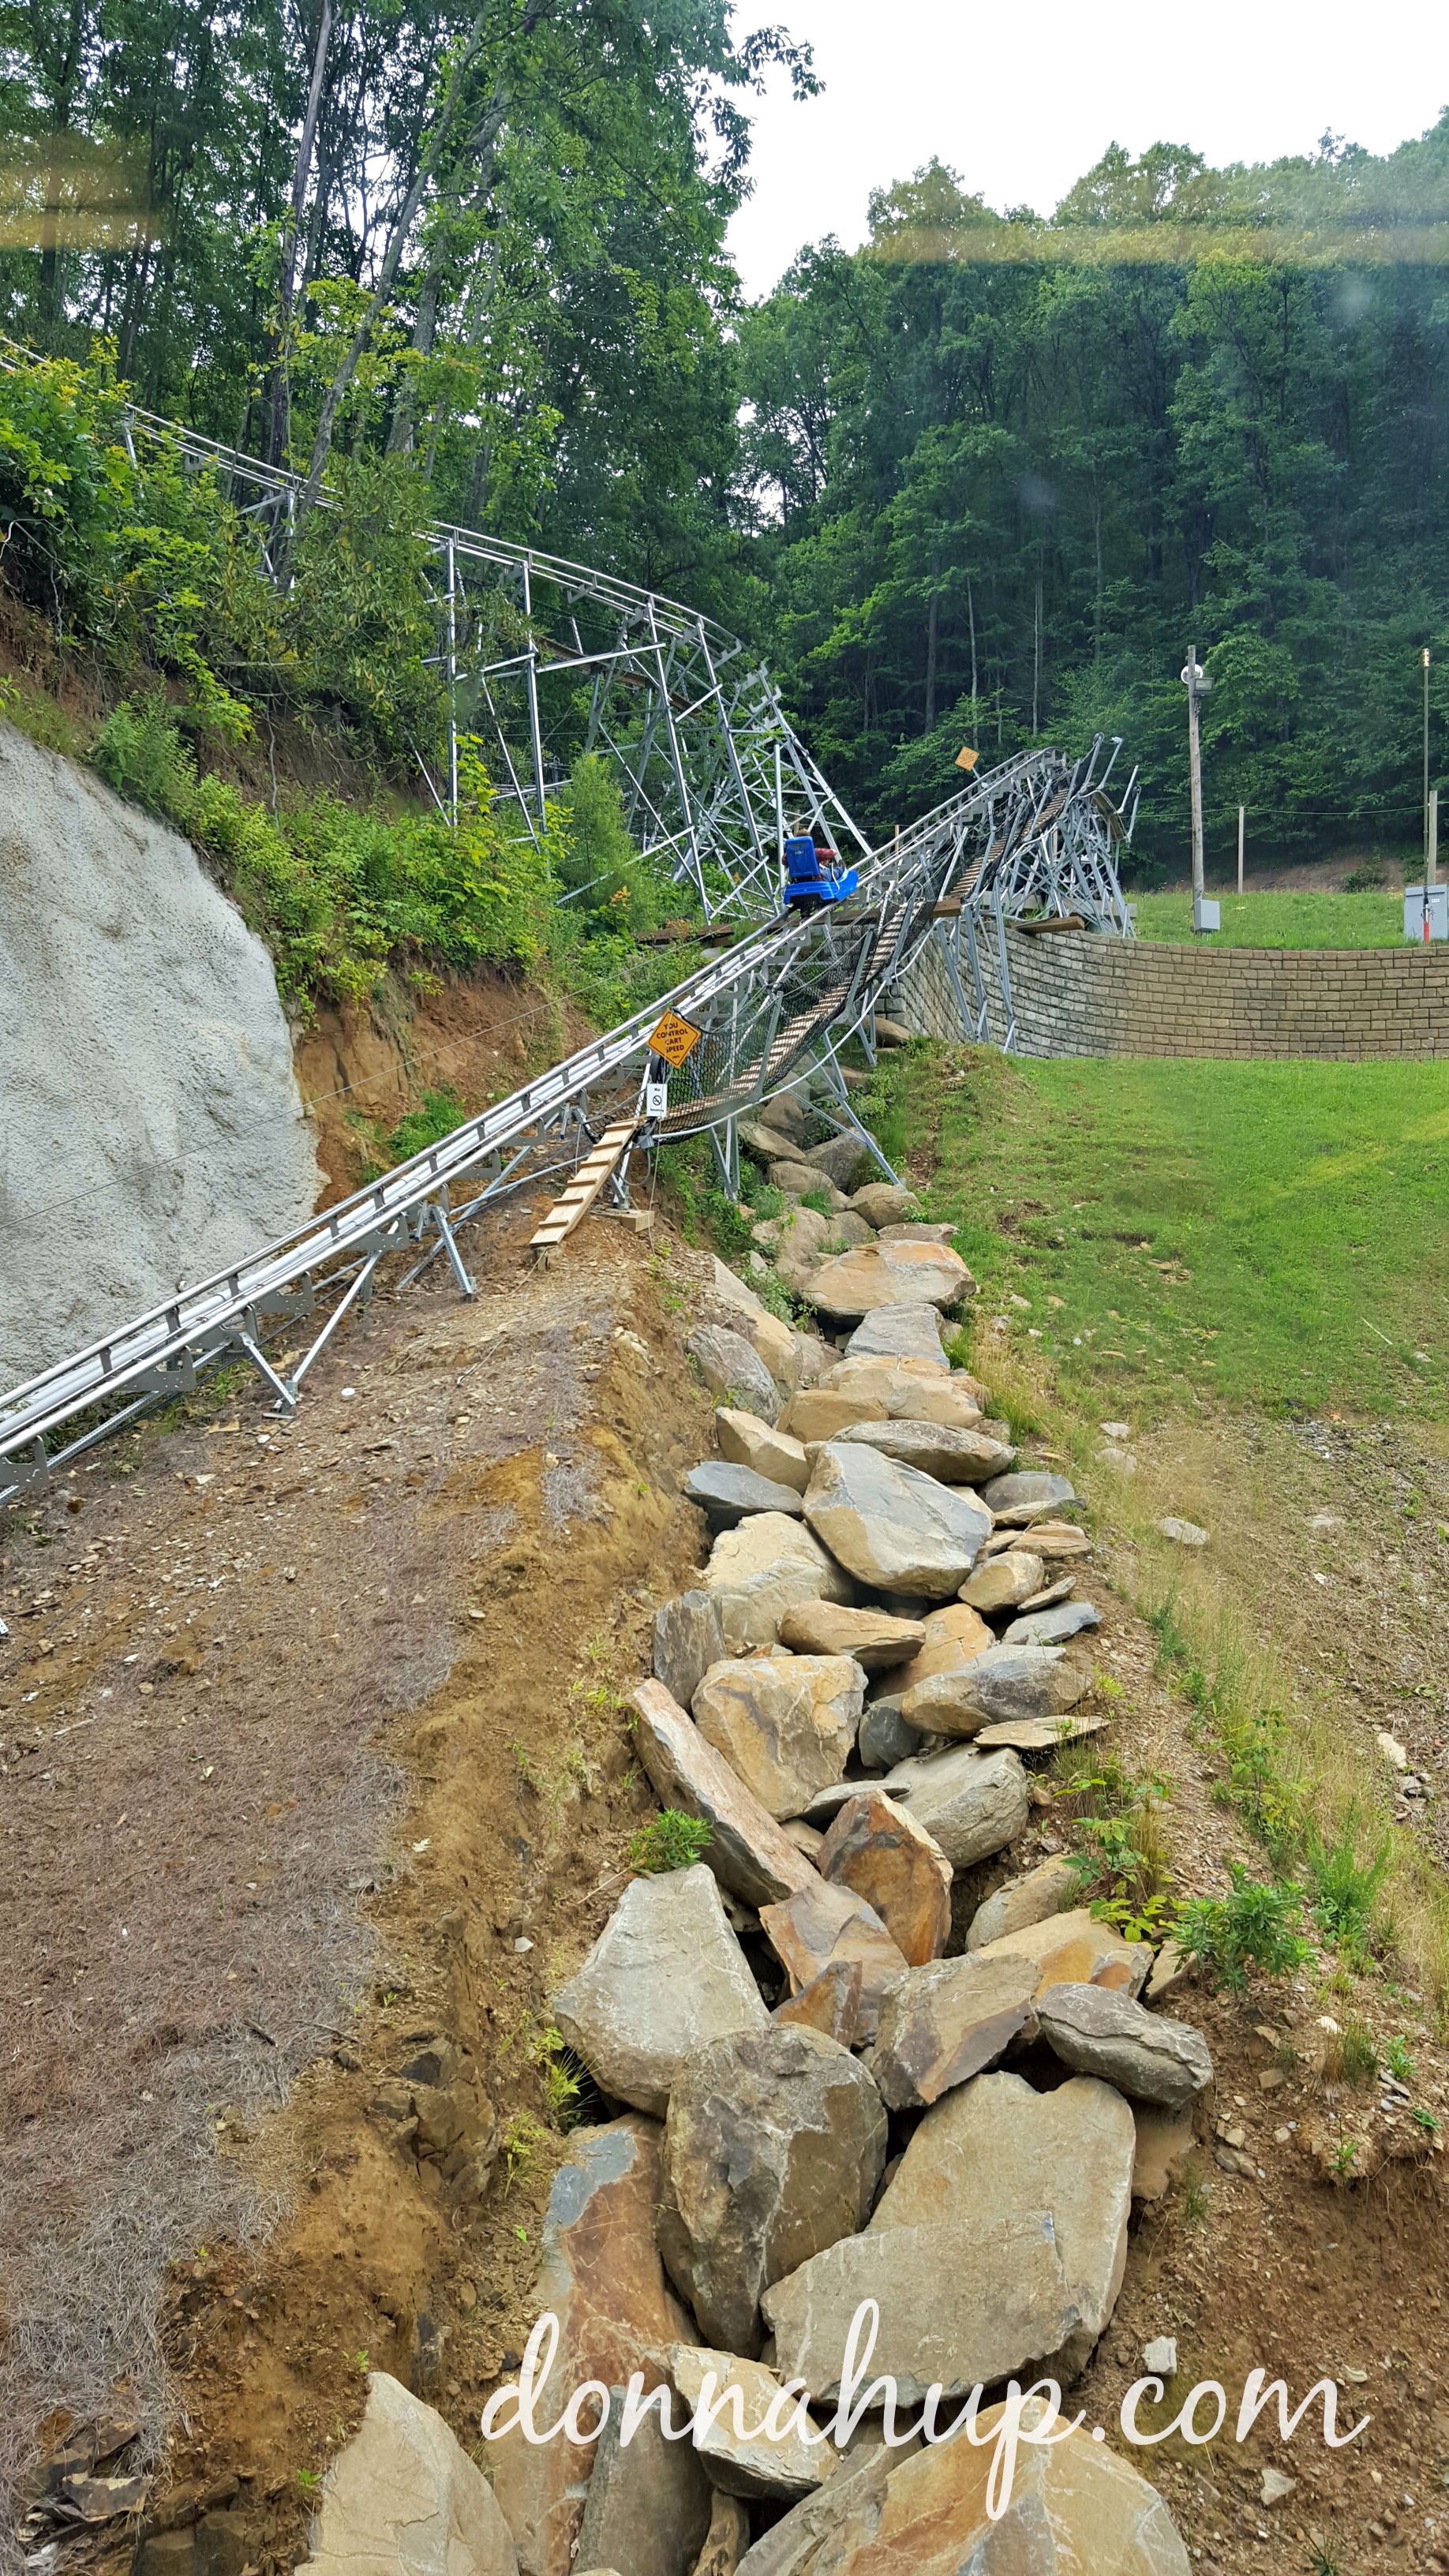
pixel 1426 762
pixel 1242 825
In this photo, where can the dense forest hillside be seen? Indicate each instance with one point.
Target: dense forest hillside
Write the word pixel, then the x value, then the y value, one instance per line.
pixel 983 478
pixel 1006 473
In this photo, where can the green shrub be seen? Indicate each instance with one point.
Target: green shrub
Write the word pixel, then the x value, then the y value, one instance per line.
pixel 669 1841
pixel 139 752
pixel 1253 1928
pixel 1345 1889
pixel 436 1117
pixel 339 896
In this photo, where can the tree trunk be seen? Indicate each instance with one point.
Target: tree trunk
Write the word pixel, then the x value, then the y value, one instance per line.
pixel 932 620
pixel 281 423
pixel 400 436
pixel 391 258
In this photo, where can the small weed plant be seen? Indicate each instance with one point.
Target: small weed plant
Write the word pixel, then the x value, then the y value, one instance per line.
pixel 1398 2060
pixel 1253 1930
pixel 669 1841
pixel 1346 1888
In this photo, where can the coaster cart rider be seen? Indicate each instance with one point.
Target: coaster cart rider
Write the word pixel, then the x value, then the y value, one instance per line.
pixel 813 873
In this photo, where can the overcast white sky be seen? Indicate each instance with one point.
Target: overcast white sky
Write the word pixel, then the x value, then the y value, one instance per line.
pixel 1022 99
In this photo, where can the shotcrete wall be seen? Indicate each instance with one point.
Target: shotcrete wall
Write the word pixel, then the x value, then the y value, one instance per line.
pixel 151 1129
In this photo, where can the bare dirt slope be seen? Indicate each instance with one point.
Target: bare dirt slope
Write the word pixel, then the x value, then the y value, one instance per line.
pixel 304 1732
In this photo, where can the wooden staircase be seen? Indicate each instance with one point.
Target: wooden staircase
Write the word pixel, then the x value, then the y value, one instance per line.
pixel 585 1186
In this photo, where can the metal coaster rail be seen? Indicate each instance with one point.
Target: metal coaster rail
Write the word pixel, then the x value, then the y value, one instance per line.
pixel 710 767
pixel 711 771
pixel 791 992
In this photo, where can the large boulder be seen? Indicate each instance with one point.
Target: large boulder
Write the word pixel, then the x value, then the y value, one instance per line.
pixel 899 1333
pixel 997 2153
pixel 601 2275
pixel 760 1570
pixel 1054 1541
pixel 970 1803
pixel 885 1203
pixel 733 1370
pixel 786 1723
pixel 944 2023
pixel 823 1923
pixel 665 1977
pixel 746 1850
pixel 749 2461
pixel 1053 1626
pixel 872 1637
pixel 884 1738
pixel 1035 1897
pixel 959 2301
pixel 831 2002
pixel 939 1449
pixel 771 1137
pixel 1004 1582
pixel 790 1113
pixel 1019 1500
pixel 857 1284
pixel 890 1526
pixel 796 1241
pixel 819 1412
pixel 1076 2509
pixel 688 1637
pixel 845 1159
pixel 728 2536
pixel 773 2148
pixel 1164 2145
pixel 771 1338
pixel 402 2498
pixel 1004 1682
pixel 883 1854
pixel 1101 2032
pixel 1037 1734
pixel 799 1179
pixel 950 1638
pixel 746 1441
pixel 911 1390
pixel 1070 1949
pixel 727 1494
pixel 648 2504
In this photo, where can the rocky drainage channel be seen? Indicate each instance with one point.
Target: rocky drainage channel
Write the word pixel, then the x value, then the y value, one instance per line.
pixel 815 2106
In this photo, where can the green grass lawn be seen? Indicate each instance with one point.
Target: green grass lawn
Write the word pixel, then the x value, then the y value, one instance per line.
pixel 1309 920
pixel 1277 1233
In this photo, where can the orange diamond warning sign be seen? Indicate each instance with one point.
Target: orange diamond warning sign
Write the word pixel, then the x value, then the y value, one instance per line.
pixel 675 1039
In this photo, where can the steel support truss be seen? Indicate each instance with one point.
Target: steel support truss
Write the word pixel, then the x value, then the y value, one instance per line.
pixel 540 656
pixel 785 999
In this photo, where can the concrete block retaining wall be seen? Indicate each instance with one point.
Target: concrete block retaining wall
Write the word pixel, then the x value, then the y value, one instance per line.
pixel 1077 994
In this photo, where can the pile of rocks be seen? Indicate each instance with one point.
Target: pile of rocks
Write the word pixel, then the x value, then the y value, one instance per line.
pixel 831 2082
pixel 854 2104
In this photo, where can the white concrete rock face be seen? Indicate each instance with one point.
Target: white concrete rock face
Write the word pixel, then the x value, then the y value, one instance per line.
pixel 153 1127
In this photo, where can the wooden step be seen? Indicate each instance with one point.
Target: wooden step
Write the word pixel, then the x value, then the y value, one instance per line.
pixel 585 1186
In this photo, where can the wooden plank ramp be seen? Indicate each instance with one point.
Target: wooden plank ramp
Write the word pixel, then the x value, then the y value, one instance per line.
pixel 585 1186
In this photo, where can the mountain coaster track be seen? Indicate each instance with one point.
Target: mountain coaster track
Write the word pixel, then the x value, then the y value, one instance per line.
pixel 1034 837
